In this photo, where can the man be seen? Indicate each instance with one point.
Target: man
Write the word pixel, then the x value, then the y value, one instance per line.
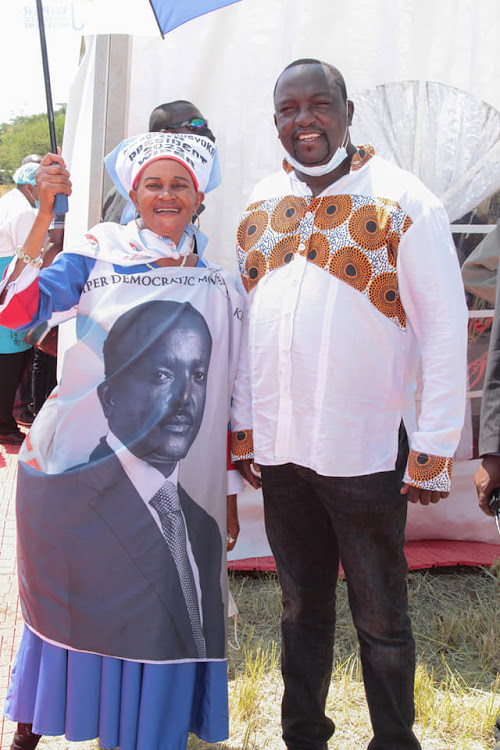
pixel 352 282
pixel 175 117
pixel 128 498
pixel 488 475
pixel 479 270
pixel 17 214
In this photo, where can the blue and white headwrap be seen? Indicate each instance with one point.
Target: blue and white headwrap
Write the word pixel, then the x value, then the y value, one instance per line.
pixel 25 175
pixel 196 152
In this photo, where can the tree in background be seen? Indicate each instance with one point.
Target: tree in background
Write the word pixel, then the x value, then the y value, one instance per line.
pixel 26 135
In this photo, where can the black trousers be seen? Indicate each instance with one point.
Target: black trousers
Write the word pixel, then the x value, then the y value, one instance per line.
pixel 11 373
pixel 43 378
pixel 311 522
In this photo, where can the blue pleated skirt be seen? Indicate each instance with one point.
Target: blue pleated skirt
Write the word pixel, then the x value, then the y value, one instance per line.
pixel 125 704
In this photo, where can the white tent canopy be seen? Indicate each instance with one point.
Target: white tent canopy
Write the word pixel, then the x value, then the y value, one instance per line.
pixel 227 62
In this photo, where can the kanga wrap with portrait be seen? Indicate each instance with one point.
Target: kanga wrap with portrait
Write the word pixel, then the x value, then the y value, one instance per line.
pixel 122 478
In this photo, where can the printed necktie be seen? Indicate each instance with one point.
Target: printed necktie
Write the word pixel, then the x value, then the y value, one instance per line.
pixel 167 504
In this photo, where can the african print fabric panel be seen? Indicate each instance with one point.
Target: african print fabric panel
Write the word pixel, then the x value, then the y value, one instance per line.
pixel 429 472
pixel 241 444
pixel 353 237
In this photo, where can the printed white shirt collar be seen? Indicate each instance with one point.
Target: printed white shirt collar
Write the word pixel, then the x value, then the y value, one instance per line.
pixel 146 479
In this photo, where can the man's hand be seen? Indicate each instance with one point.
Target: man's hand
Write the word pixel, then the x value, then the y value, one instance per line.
pixel 487 479
pixel 233 525
pixel 419 495
pixel 249 471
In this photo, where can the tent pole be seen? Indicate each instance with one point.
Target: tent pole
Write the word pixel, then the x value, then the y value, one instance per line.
pixel 109 113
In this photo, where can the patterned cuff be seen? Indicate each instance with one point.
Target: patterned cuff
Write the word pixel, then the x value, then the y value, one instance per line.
pixel 428 472
pixel 241 445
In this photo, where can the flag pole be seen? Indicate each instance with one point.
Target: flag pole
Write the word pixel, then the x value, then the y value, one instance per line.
pixel 61 200
pixel 46 77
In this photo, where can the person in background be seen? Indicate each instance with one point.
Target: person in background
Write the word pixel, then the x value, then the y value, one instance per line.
pixel 32 159
pixel 17 214
pixel 487 476
pixel 352 282
pixel 479 270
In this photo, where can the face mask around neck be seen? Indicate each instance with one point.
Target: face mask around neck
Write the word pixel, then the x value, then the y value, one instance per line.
pixel 317 171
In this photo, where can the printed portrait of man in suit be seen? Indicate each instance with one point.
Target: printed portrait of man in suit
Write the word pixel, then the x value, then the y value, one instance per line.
pixel 156 360
pixel 144 553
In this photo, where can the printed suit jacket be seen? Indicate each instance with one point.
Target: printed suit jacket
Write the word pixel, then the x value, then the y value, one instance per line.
pixel 96 573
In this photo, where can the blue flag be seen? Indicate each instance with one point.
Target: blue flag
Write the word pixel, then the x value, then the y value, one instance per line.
pixel 172 13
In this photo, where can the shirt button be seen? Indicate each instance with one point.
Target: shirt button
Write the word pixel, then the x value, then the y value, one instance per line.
pixel 301 247
pixel 309 215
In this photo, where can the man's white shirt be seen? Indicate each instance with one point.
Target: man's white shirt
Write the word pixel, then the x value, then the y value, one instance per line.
pixel 331 376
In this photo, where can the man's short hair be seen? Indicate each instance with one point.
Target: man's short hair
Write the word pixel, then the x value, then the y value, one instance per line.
pixel 161 115
pixel 135 332
pixel 337 76
pixel 31 158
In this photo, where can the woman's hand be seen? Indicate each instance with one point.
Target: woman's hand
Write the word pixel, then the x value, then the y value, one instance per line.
pixel 250 472
pixel 233 525
pixel 52 178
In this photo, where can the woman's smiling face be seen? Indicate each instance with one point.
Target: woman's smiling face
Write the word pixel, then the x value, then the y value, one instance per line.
pixel 166 198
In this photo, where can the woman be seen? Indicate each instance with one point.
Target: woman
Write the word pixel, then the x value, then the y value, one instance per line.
pixel 121 483
pixel 17 214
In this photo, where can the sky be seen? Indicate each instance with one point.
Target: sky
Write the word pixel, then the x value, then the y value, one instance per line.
pixel 22 90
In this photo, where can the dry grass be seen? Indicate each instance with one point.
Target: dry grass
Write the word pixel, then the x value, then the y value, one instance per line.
pixel 456 621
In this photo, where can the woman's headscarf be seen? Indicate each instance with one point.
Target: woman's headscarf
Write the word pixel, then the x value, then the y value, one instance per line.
pixel 195 152
pixel 25 175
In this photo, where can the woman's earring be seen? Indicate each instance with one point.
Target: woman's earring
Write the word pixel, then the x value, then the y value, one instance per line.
pixel 137 218
pixel 195 227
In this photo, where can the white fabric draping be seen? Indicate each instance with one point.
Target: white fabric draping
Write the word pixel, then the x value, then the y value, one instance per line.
pixel 449 138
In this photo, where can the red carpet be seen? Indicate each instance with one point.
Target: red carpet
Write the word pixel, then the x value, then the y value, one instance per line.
pixel 420 555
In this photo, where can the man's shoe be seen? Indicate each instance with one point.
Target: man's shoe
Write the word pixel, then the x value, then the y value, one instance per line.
pixel 24 738
pixel 15 437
